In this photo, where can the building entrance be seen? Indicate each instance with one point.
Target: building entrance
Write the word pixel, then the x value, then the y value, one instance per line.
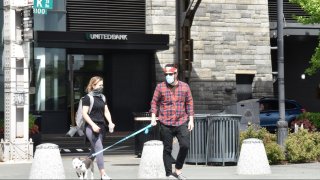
pixel 80 69
pixel 127 83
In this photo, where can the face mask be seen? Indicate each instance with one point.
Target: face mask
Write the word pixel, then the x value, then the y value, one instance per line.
pixel 170 79
pixel 98 90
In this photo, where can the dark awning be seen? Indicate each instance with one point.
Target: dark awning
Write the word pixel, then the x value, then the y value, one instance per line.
pixel 101 40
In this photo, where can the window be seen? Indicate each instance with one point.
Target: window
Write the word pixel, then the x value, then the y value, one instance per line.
pixel 49 76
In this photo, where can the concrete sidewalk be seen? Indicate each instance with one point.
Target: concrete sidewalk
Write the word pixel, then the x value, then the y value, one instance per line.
pixel 127 166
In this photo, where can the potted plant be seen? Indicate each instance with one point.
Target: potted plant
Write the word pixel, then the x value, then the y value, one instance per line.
pixel 34 132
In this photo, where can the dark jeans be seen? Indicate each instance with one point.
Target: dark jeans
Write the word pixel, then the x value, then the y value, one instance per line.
pixel 167 134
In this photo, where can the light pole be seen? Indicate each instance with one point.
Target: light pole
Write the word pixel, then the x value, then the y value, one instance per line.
pixel 282 124
pixel 185 12
pixel 16 145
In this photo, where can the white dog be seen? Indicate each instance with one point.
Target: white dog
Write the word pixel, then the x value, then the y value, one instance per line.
pixel 83 167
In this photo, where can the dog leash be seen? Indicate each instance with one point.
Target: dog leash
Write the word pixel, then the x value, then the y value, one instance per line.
pixel 146 129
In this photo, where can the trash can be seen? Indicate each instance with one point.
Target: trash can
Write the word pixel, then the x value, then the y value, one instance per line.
pixel 223 138
pixel 198 139
pixel 141 120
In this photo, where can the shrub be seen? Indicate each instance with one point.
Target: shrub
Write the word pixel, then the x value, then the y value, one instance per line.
pixel 313 117
pixel 274 152
pixel 33 128
pixel 306 124
pixel 303 146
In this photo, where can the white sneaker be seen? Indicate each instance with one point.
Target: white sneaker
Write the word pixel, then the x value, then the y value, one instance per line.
pixel 105 176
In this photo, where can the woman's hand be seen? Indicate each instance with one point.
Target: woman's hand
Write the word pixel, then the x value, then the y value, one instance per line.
pixel 95 128
pixel 111 127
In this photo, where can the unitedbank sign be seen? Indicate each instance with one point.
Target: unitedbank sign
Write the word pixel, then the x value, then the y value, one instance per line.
pixel 106 36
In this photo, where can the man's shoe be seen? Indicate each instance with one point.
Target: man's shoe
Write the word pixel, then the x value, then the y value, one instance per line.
pixel 180 176
pixel 171 177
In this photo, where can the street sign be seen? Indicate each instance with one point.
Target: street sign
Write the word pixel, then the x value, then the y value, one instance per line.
pixel 43 4
pixel 39 11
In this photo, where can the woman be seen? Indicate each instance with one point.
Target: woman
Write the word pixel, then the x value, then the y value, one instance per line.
pixel 95 127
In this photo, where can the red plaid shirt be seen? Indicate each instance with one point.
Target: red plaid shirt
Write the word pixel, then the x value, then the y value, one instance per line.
pixel 174 106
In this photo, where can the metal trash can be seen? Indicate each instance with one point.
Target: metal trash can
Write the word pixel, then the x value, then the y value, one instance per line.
pixel 223 138
pixel 198 139
pixel 141 120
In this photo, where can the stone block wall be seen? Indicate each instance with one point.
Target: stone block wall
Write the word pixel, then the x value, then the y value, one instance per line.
pixel 230 37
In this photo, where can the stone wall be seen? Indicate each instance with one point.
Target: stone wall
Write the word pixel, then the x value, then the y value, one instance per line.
pixel 230 37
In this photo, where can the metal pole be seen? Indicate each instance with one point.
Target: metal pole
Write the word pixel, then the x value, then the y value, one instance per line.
pixel 71 62
pixel 178 33
pixel 282 124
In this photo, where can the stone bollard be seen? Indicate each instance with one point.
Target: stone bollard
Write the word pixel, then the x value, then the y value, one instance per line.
pixel 151 163
pixel 253 158
pixel 47 163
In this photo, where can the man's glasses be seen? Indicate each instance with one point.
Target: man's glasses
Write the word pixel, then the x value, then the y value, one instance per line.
pixel 169 74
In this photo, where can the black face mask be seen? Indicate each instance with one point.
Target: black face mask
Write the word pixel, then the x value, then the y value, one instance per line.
pixel 98 90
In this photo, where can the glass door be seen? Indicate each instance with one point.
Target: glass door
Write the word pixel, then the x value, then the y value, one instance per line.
pixel 81 68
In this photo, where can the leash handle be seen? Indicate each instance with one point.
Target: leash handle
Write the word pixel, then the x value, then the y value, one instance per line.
pixel 123 139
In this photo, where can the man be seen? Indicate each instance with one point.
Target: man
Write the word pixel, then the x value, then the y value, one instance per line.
pixel 172 101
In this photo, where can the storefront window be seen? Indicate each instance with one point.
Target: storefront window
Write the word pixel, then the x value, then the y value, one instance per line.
pixel 49 79
pixel 84 67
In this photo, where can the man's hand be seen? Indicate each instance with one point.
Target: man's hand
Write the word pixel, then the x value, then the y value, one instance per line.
pixel 190 124
pixel 153 119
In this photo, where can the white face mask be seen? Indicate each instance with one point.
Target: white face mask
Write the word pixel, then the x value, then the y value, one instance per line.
pixel 170 79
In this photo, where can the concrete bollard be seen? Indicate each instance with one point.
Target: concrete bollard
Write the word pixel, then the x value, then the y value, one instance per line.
pixel 151 163
pixel 47 163
pixel 253 158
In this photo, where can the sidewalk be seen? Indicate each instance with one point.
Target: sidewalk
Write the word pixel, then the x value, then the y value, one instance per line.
pixel 127 166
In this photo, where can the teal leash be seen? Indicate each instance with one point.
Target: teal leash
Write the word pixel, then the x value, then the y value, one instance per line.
pixel 146 129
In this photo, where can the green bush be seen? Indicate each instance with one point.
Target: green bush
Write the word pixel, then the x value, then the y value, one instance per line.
pixel 32 120
pixel 303 146
pixel 313 117
pixel 274 152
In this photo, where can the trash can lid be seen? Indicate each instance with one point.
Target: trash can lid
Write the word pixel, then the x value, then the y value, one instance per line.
pixel 201 115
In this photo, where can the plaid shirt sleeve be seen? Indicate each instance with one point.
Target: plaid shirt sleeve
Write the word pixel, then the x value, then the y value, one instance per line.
pixel 155 100
pixel 189 102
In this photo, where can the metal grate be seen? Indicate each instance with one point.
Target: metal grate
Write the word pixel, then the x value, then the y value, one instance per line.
pixel 289 9
pixel 198 139
pixel 223 138
pixel 106 15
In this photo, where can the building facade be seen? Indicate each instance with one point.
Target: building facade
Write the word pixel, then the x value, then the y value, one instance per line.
pixel 232 60
pixel 128 43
